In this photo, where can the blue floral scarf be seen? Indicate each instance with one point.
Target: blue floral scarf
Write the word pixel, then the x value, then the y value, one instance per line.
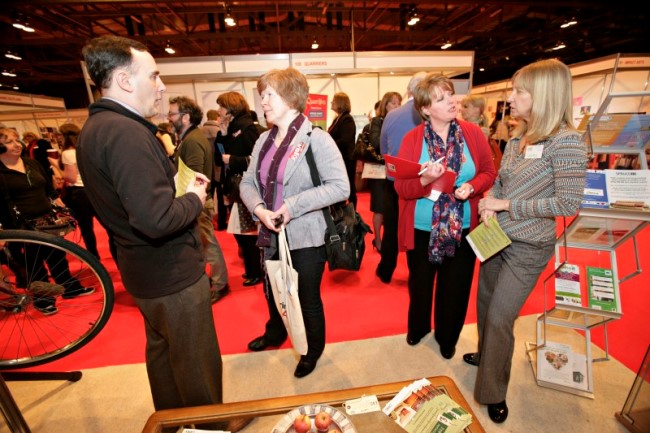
pixel 447 215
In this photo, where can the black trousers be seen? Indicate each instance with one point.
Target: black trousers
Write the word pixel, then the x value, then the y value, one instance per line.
pixel 389 250
pixel 222 209
pixel 453 282
pixel 35 257
pixel 76 199
pixel 251 254
pixel 310 265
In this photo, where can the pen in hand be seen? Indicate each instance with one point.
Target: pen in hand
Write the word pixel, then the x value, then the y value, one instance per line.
pixel 435 162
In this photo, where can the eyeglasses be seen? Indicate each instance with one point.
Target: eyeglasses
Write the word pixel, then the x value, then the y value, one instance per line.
pixel 170 114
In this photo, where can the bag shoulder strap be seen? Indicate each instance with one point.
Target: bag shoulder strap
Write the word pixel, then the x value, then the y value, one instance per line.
pixel 313 170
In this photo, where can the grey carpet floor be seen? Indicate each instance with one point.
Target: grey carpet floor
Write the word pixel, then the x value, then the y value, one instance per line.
pixel 117 399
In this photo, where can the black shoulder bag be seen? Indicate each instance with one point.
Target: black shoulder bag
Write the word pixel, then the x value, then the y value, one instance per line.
pixel 346 230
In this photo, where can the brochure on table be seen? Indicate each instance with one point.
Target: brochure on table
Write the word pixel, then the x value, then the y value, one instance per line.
pixel 557 363
pixel 421 408
pixel 623 189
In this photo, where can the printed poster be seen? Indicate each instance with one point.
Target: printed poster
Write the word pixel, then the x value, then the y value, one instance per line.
pixel 316 110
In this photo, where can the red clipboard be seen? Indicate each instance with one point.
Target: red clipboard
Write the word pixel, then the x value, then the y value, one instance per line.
pixel 400 168
pixel 445 183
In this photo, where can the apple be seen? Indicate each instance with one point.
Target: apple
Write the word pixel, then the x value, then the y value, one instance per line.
pixel 302 423
pixel 323 421
pixel 334 430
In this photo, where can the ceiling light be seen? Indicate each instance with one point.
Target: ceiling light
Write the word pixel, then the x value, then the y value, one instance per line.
pixel 314 45
pixel 481 69
pixel 230 21
pixel 169 49
pixel 8 73
pixel 569 23
pixel 24 26
pixel 559 46
pixel 446 45
pixel 413 18
pixel 13 56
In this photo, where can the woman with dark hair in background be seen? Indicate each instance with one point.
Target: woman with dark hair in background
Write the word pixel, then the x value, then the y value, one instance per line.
pixel 344 131
pixel 389 101
pixel 75 194
pixel 238 135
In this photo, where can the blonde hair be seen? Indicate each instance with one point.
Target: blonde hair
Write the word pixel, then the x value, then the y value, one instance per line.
pixel 549 83
pixel 478 102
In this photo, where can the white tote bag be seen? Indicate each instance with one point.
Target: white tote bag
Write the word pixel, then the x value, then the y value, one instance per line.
pixel 284 283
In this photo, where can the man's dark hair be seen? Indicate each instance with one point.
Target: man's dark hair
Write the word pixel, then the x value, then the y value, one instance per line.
pixel 105 54
pixel 187 105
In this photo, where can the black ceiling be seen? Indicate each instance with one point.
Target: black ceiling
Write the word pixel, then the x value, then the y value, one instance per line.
pixel 504 35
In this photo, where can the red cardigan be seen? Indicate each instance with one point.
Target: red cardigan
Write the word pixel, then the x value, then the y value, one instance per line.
pixel 410 190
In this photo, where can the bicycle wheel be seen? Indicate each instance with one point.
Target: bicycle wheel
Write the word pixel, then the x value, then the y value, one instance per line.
pixel 31 336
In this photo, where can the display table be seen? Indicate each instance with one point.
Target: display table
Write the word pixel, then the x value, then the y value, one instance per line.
pixel 271 410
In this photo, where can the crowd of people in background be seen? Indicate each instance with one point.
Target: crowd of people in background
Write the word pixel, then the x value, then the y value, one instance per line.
pixel 253 179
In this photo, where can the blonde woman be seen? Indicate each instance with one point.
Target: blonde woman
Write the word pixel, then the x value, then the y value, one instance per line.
pixel 542 176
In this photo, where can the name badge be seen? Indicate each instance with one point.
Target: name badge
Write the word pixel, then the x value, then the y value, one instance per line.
pixel 534 152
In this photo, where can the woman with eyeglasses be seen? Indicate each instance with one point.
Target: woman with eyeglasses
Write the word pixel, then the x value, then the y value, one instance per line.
pixel 27 193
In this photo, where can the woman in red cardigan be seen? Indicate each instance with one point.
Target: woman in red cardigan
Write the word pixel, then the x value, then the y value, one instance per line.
pixel 433 226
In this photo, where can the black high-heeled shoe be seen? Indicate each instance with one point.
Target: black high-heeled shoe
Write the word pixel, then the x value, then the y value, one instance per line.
pixel 498 412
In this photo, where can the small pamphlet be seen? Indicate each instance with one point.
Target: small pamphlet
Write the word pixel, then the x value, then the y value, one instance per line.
pixel 602 289
pixel 184 176
pixel 486 241
pixel 557 363
pixel 421 408
pixel 567 285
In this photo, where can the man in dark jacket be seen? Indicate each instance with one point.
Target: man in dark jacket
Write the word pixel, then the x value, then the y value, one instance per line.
pixel 196 153
pixel 130 181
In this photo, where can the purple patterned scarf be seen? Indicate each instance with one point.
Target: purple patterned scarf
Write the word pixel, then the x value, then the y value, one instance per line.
pixel 447 215
pixel 268 186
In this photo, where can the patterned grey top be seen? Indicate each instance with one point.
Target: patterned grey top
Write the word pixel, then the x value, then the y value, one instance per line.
pixel 539 189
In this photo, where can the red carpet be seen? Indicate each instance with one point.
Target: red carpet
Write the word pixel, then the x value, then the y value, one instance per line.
pixel 357 306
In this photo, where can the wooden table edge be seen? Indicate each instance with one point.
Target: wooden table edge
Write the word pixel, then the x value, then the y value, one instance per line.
pixel 282 405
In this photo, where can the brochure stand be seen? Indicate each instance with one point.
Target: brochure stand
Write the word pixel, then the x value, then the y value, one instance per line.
pixel 602 229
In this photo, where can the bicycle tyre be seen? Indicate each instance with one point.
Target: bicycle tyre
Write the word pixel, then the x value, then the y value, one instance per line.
pixel 28 337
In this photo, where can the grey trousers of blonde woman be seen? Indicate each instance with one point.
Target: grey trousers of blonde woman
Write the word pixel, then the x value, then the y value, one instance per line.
pixel 505 281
